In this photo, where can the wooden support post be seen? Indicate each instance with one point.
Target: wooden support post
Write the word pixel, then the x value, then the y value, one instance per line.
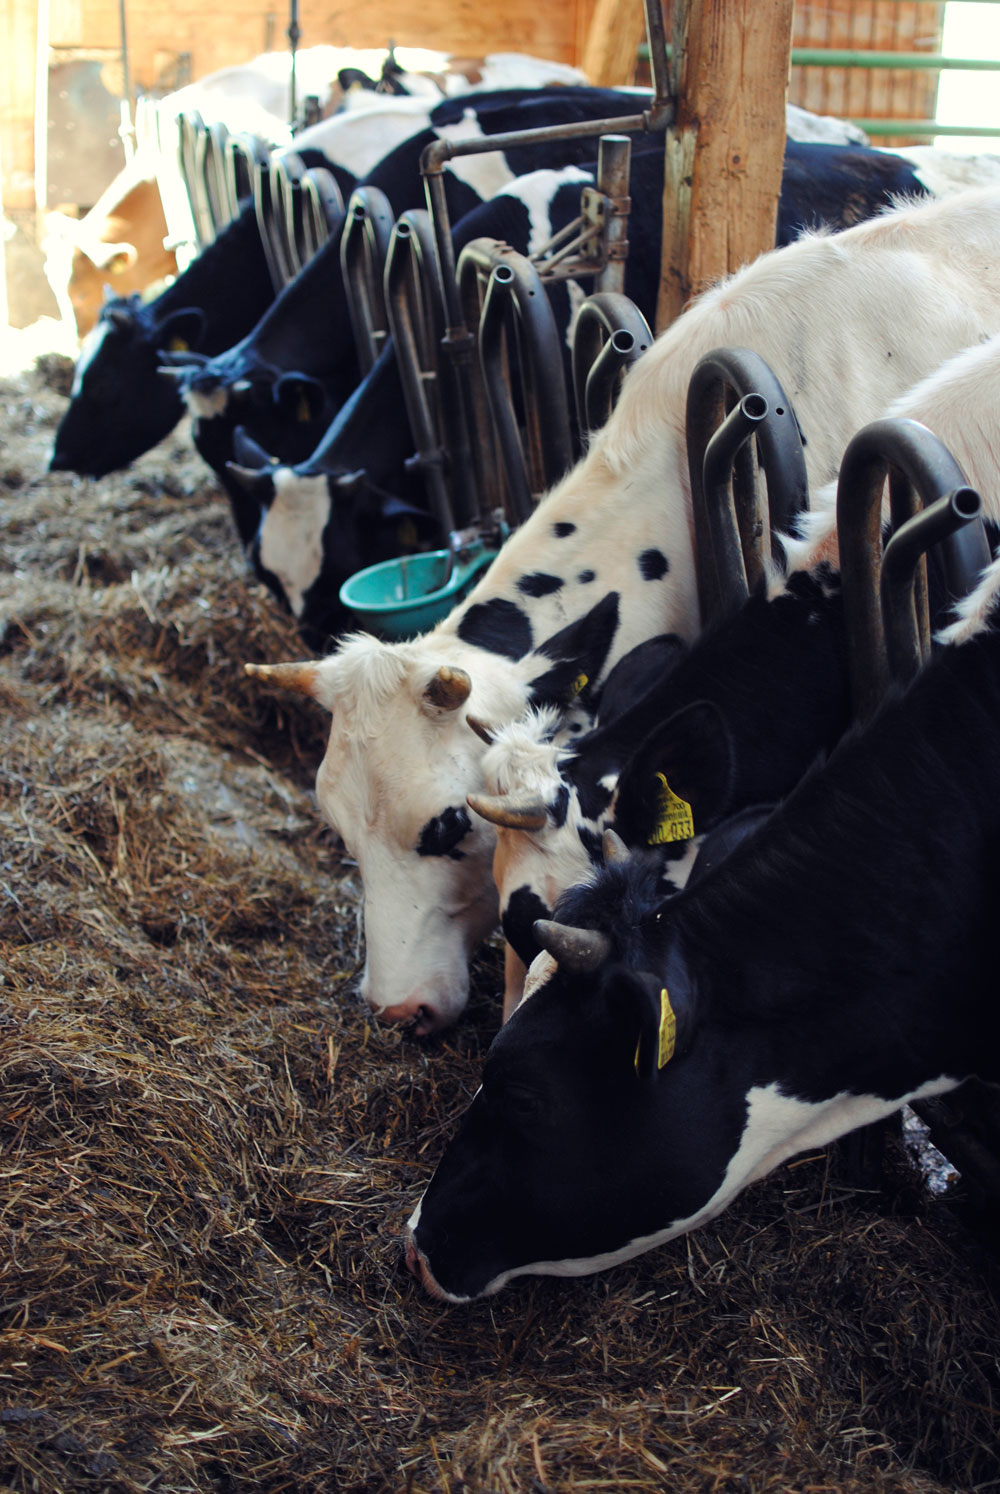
pixel 725 151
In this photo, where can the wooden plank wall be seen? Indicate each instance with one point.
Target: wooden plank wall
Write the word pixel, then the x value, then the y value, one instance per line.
pixel 863 93
pixel 185 39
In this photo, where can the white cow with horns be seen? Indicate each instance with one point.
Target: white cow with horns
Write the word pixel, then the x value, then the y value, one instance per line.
pixel 848 322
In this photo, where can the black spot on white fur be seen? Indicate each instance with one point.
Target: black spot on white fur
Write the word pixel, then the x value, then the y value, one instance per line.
pixel 653 565
pixel 441 835
pixel 499 626
pixel 539 584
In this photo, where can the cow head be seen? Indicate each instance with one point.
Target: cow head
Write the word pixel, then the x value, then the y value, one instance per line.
pixel 119 407
pixel 399 764
pixel 392 784
pixel 621 1105
pixel 307 532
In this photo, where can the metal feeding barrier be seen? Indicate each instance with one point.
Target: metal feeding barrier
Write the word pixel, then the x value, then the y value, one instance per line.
pixel 738 422
pixel 887 612
pixel 364 249
pixel 488 402
pixel 609 336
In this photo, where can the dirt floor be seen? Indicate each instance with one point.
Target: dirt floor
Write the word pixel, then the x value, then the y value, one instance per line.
pixel 208 1150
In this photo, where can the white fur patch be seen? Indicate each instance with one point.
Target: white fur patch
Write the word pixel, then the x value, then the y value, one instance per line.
pixel 778 1127
pixel 291 532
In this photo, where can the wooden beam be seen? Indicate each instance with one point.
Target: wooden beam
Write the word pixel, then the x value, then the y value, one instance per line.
pixel 617 28
pixel 725 151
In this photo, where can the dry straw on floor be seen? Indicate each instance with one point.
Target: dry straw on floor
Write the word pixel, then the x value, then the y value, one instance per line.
pixel 208 1151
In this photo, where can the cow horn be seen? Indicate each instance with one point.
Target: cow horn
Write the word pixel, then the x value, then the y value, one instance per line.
pixel 247 477
pixel 481 730
pixel 299 677
pixel 118 316
pixel 183 360
pixel 173 375
pixel 615 849
pixel 242 386
pixel 448 689
pixel 580 950
pixel 513 814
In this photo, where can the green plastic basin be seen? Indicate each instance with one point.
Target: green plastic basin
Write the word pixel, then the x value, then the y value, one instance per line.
pixel 404 597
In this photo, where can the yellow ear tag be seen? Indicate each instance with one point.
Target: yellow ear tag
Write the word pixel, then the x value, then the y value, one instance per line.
pixel 302 409
pixel 675 819
pixel 580 683
pixel 178 345
pixel 667 1034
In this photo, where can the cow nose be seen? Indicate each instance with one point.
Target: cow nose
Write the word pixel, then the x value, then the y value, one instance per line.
pixel 407 1011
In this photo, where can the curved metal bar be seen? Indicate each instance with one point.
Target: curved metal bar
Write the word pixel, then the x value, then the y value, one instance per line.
pixel 610 334
pixel 414 308
pixel 192 136
pixel 920 468
pixel 535 460
pixel 322 207
pixel 722 377
pixel 214 168
pixel 286 174
pixel 738 565
pixel 948 515
pixel 264 204
pixel 364 248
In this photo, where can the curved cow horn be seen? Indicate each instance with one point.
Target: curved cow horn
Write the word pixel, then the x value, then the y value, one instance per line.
pixel 481 730
pixel 300 677
pixel 513 814
pixel 247 477
pixel 174 375
pixel 448 689
pixel 118 316
pixel 615 849
pixel 581 950
pixel 187 359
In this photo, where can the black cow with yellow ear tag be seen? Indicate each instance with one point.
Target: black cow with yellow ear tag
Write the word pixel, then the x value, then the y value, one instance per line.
pixel 669 1053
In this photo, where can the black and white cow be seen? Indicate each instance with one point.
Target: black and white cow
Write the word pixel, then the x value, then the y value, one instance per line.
pixel 119 405
pixel 307 542
pixel 732 721
pixel 836 964
pixel 287 379
pixel 847 322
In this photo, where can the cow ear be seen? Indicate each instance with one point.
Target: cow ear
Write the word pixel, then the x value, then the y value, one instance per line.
pixel 579 652
pixel 724 839
pixel 299 396
pixel 642 669
pixel 181 330
pixel 656 1015
pixel 679 780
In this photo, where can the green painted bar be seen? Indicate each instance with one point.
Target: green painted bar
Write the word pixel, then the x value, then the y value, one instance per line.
pixel 921 127
pixel 830 57
pixel 918 61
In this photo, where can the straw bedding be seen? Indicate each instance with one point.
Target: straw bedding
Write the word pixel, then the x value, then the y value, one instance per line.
pixel 208 1149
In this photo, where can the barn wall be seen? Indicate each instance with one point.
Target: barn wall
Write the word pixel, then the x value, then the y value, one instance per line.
pixel 867 93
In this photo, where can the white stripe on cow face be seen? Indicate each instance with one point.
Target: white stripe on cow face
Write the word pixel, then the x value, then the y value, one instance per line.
pixel 291 532
pixel 778 1126
pixel 89 349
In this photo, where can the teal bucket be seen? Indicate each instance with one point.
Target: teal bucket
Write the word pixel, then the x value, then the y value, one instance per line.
pixel 404 597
